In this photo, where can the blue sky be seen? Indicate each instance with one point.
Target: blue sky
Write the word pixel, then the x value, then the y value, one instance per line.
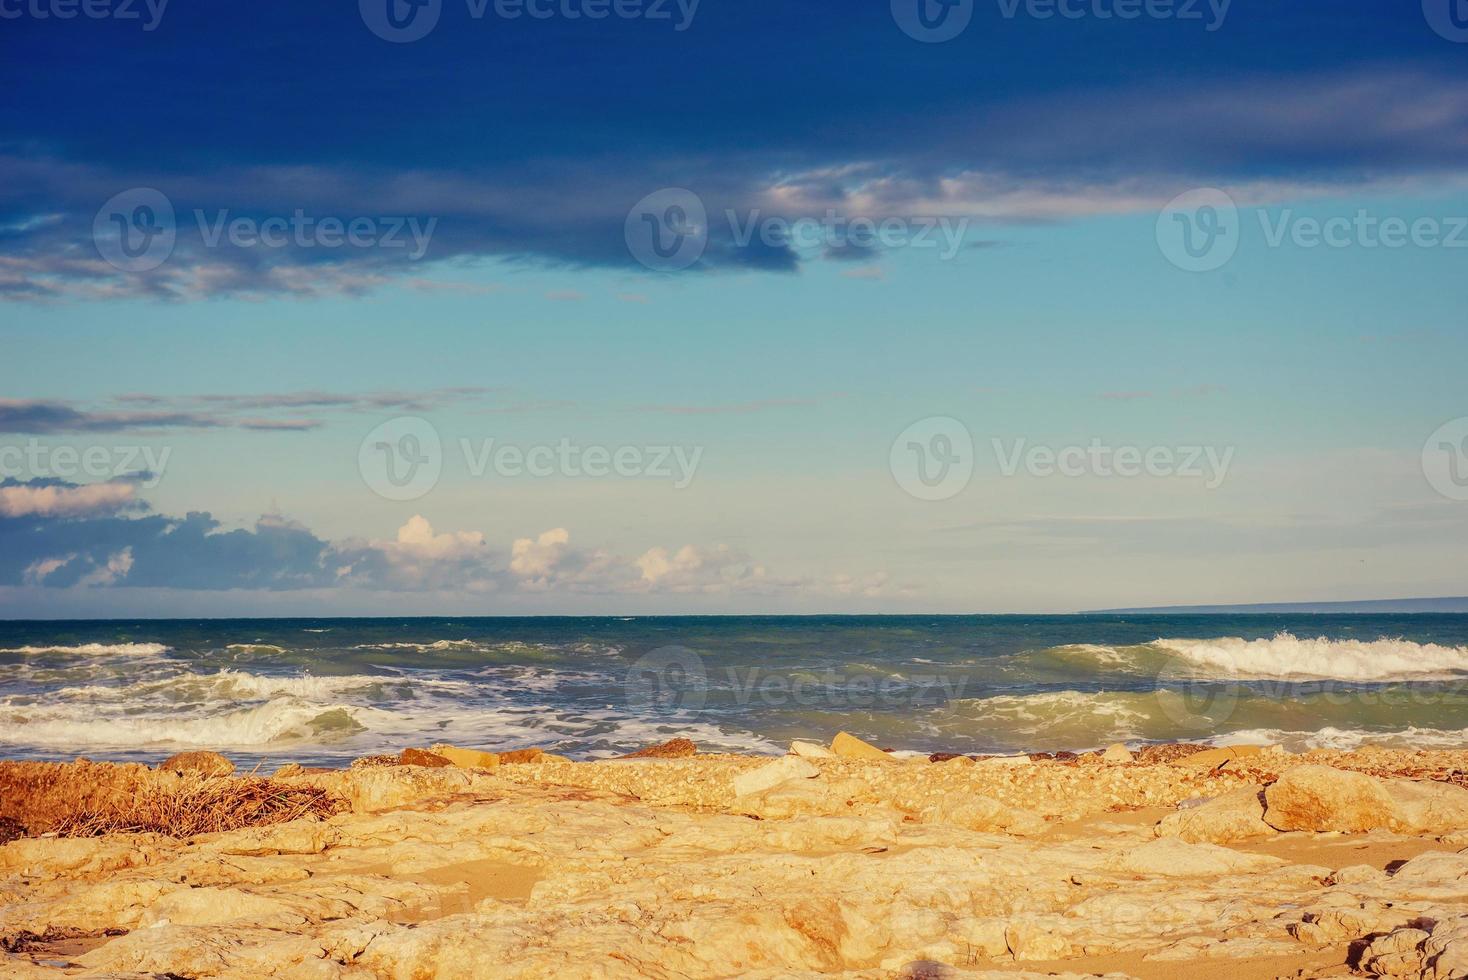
pixel 1326 375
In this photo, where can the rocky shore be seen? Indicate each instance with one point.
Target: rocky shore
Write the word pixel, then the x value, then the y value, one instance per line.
pixel 837 860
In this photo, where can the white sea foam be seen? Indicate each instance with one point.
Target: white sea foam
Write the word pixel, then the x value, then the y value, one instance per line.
pixel 434 645
pixel 97 649
pixel 78 725
pixel 232 685
pixel 1349 738
pixel 1286 656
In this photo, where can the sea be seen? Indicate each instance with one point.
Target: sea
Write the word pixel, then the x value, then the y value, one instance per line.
pixel 326 691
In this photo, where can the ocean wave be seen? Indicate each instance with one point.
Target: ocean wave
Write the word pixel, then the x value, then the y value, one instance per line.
pixel 1349 739
pixel 1286 657
pixel 80 726
pixel 233 685
pixel 96 649
pixel 431 645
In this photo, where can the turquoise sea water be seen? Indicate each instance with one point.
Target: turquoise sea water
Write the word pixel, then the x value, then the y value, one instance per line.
pixel 325 691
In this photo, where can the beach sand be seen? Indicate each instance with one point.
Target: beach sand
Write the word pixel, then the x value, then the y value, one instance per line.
pixel 864 865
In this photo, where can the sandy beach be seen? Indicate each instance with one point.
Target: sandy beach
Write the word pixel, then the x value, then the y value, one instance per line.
pixel 1174 861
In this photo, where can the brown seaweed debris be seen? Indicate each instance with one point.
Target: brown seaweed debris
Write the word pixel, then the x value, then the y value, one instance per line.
pixel 678 748
pixel 210 804
pixel 26 941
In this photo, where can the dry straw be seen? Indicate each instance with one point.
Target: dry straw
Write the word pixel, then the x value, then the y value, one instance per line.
pixel 202 804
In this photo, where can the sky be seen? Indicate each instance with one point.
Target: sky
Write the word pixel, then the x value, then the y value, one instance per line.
pixel 663 306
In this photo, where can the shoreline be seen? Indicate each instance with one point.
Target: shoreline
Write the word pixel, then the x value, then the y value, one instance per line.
pixel 837 860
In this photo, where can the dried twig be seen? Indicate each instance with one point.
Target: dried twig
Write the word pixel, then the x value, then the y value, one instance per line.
pixel 203 805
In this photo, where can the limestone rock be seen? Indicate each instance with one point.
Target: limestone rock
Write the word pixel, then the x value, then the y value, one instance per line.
pixel 984 815
pixel 520 756
pixel 1117 753
pixel 207 763
pixel 467 758
pixel 850 747
pixel 1234 816
pixel 810 750
pixel 418 757
pixel 82 855
pixel 1428 807
pixel 772 774
pixel 1171 857
pixel 1029 940
pixel 1213 758
pixel 1397 954
pixel 802 798
pixel 1446 951
pixel 1319 798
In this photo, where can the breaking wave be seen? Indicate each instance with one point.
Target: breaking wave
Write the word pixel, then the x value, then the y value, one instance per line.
pixel 1286 656
pixel 97 649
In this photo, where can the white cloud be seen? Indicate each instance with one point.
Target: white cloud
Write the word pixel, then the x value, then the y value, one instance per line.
pixel 417 540
pixel 536 559
pixel 117 567
pixel 37 572
pixel 63 501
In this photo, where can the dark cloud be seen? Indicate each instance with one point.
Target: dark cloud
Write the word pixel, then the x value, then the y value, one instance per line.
pixel 1265 136
pixel 41 417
